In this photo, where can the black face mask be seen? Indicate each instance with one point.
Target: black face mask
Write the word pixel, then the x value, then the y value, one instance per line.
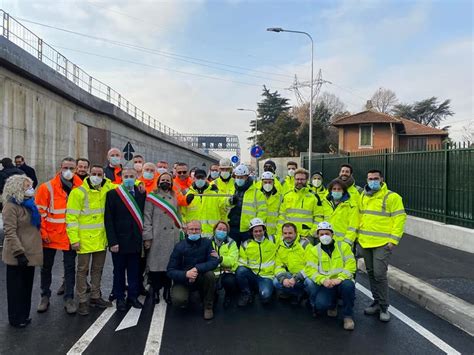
pixel 165 186
pixel 269 168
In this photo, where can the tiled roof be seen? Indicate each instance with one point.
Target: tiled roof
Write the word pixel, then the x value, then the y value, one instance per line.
pixel 413 128
pixel 366 117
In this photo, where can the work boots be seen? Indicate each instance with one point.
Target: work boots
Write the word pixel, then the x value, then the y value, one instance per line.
pixel 70 306
pixel 208 314
pixel 384 315
pixel 83 309
pixel 349 323
pixel 332 313
pixel 374 308
pixel 100 303
pixel 43 305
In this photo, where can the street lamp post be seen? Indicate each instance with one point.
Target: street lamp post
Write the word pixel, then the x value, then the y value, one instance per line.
pixel 310 143
pixel 256 130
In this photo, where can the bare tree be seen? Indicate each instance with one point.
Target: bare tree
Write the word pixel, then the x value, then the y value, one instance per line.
pixel 468 135
pixel 333 103
pixel 383 100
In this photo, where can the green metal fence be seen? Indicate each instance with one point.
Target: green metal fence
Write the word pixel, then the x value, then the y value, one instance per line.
pixel 436 184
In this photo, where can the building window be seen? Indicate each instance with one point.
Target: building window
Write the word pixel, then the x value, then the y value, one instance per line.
pixel 416 143
pixel 365 135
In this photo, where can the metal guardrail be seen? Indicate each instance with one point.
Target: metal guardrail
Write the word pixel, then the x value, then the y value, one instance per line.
pixel 17 33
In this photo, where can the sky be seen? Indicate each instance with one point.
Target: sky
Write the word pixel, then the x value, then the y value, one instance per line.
pixel 201 60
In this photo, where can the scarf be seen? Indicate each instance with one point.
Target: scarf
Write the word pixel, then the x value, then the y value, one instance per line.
pixel 67 185
pixel 29 204
pixel 349 182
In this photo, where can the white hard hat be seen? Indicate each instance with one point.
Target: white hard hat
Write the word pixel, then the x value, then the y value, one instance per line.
pixel 241 170
pixel 225 163
pixel 267 175
pixel 256 222
pixel 324 226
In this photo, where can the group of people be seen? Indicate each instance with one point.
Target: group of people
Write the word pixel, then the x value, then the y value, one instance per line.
pixel 206 231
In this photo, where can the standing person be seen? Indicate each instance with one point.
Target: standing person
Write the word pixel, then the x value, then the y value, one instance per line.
pixel 162 167
pixel 190 267
pixel 82 168
pixel 330 269
pixel 256 265
pixel 86 232
pixel 317 185
pixel 182 181
pixel 346 175
pixel 29 171
pixel 138 162
pixel 289 182
pixel 381 223
pixel 270 166
pixel 113 170
pixel 51 199
pixel 161 232
pixel 123 221
pixel 228 254
pixel 149 176
pixel 213 173
pixel 7 171
pixel 273 199
pixel 225 181
pixel 248 202
pixel 22 249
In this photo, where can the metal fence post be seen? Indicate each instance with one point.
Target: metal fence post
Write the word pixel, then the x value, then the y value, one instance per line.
pixel 6 25
pixel 445 183
pixel 90 84
pixel 385 163
pixel 40 49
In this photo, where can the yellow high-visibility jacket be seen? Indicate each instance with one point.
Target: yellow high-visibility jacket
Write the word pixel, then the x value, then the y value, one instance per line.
pixel 254 206
pixel 259 257
pixel 230 255
pixel 343 218
pixel 273 209
pixel 288 184
pixel 225 187
pixel 276 183
pixel 290 261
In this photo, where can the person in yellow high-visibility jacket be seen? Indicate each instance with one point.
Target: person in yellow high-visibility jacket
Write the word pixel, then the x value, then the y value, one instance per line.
pixel 270 166
pixel 330 269
pixel 381 222
pixel 273 199
pixel 225 181
pixel 289 183
pixel 317 185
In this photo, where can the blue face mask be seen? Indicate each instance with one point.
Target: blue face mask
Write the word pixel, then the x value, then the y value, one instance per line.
pixel 221 235
pixel 214 174
pixel 337 195
pixel 240 182
pixel 200 183
pixel 129 183
pixel 148 175
pixel 194 237
pixel 374 184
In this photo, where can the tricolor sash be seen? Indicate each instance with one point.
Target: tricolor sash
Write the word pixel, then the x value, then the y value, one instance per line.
pixel 132 206
pixel 166 207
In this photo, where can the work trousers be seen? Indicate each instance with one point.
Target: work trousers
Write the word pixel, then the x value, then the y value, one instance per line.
pixel 249 281
pixel 69 262
pixel 95 261
pixel 322 298
pixel 376 263
pixel 298 290
pixel 159 280
pixel 19 287
pixel 204 283
pixel 129 264
pixel 228 282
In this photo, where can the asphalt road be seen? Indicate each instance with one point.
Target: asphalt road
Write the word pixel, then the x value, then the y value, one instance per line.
pixel 279 328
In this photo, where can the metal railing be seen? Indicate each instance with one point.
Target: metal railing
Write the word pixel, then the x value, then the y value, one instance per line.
pixel 15 32
pixel 436 184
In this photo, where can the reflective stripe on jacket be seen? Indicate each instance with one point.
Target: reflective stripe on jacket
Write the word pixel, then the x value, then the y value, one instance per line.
pixel 343 218
pixel 230 255
pixel 254 205
pixel 259 257
pixel 273 210
pixel 225 187
pixel 291 260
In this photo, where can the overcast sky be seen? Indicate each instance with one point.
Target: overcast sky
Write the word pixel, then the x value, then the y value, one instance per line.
pixel 418 49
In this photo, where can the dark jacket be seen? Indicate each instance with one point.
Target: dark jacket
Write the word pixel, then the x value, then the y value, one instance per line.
pixel 236 212
pixel 6 173
pixel 120 225
pixel 109 172
pixel 30 172
pixel 188 254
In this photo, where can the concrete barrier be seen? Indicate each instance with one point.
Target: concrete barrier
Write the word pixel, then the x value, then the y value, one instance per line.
pixel 445 234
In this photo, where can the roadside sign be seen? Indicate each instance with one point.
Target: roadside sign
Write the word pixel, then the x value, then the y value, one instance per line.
pixel 234 159
pixel 128 150
pixel 256 151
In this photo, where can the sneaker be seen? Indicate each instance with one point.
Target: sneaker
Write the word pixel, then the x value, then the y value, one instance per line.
pixel 83 309
pixel 349 324
pixel 100 303
pixel 111 297
pixel 372 309
pixel 60 291
pixel 208 314
pixel 43 305
pixel 244 299
pixel 135 303
pixel 332 313
pixel 384 315
pixel 121 305
pixel 70 306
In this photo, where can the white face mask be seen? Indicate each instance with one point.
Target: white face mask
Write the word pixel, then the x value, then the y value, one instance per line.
pixel 95 180
pixel 138 166
pixel 291 172
pixel 225 175
pixel 162 170
pixel 30 192
pixel 267 187
pixel 316 182
pixel 325 239
pixel 67 174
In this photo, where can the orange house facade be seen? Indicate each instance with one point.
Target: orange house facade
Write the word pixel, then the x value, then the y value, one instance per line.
pixel 371 130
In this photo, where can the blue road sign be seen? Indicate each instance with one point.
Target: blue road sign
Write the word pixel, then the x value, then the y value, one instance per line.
pixel 234 159
pixel 256 151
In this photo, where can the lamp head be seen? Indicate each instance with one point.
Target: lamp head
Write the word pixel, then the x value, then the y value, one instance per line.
pixel 275 29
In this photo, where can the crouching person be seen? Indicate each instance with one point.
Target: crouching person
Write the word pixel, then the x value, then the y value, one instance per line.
pixel 191 268
pixel 256 265
pixel 330 268
pixel 290 262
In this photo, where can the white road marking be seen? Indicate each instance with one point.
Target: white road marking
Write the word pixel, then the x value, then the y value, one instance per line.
pixel 132 317
pixel 153 341
pixel 92 332
pixel 448 349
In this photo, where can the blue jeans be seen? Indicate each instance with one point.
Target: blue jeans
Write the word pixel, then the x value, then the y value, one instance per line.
pixel 323 298
pixel 297 290
pixel 129 263
pixel 247 280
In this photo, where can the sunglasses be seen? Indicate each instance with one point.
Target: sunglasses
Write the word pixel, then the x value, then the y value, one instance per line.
pixel 181 172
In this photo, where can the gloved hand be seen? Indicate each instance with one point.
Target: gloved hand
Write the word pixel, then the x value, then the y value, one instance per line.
pixel 22 260
pixel 189 198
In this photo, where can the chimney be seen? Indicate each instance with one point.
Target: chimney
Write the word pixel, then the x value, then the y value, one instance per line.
pixel 369 105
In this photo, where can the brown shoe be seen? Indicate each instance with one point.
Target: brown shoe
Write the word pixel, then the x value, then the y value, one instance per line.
pixel 83 309
pixel 208 314
pixel 349 324
pixel 99 303
pixel 332 313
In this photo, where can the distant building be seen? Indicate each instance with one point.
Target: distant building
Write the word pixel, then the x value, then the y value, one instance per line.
pixel 369 130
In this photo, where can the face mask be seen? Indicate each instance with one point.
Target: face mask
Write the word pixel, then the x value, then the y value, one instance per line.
pixel 221 235
pixel 200 183
pixel 165 186
pixel 67 174
pixel 267 187
pixel 316 182
pixel 30 192
pixel 225 175
pixel 115 161
pixel 95 180
pixel 337 195
pixel 374 185
pixel 194 237
pixel 138 166
pixel 129 183
pixel 214 174
pixel 161 170
pixel 325 239
pixel 291 172
pixel 147 175
pixel 239 182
